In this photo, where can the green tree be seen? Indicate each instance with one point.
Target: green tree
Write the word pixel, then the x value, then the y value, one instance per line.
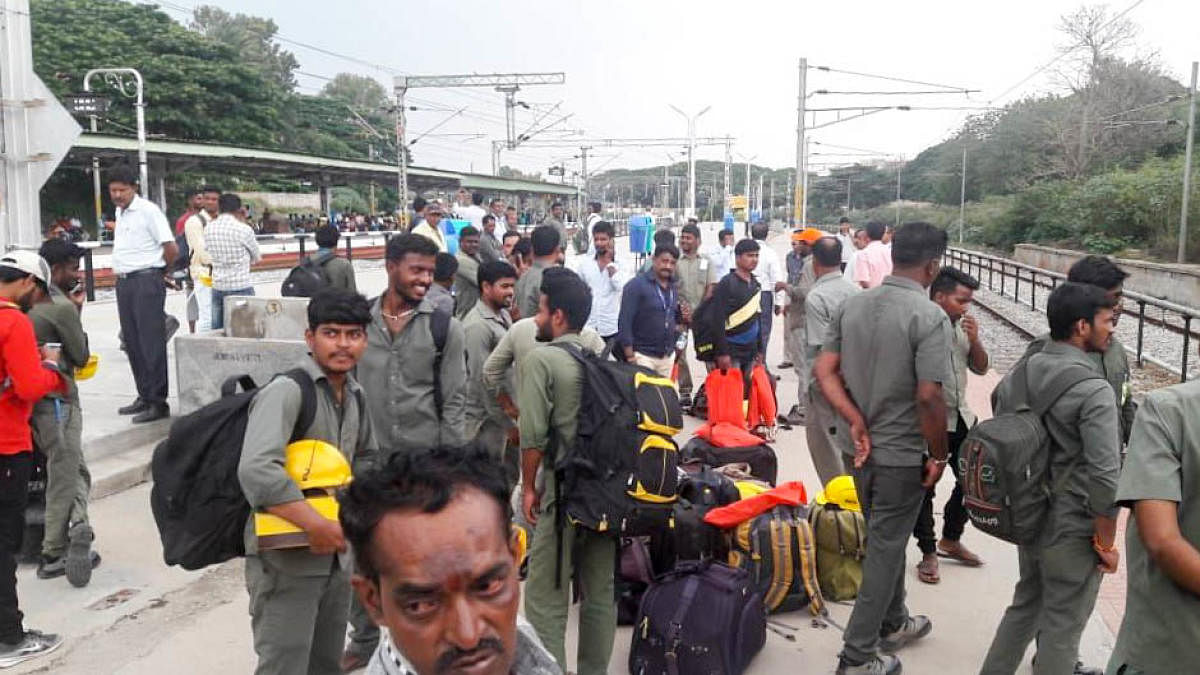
pixel 253 38
pixel 364 93
pixel 195 88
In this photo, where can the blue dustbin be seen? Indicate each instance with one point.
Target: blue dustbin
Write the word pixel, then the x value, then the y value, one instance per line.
pixel 450 230
pixel 729 222
pixel 641 234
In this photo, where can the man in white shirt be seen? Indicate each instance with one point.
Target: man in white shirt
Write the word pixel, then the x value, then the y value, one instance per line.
pixel 232 248
pixel 143 246
pixel 473 212
pixel 846 236
pixel 593 217
pixel 199 302
pixel 722 258
pixel 860 241
pixel 772 277
pixel 606 280
pixel 497 209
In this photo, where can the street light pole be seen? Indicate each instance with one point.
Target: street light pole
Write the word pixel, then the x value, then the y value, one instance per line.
pixel 115 77
pixel 691 120
pixel 1187 167
pixel 401 154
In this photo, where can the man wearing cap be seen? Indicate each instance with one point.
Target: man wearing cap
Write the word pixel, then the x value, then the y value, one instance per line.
pixel 799 282
pixel 25 376
pixel 431 226
pixel 143 247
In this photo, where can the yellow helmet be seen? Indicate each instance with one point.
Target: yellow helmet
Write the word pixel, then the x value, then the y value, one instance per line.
pixel 316 464
pixel 87 370
pixel 840 491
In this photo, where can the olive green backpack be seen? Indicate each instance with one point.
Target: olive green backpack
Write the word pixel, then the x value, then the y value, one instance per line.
pixel 840 537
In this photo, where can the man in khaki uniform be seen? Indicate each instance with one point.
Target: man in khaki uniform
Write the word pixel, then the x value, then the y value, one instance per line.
pixel 300 597
pixel 547 253
pixel 483 328
pixel 800 279
pixel 697 276
pixel 1060 574
pixel 549 398
pixel 57 423
pixel 466 281
pixel 828 441
pixel 1161 484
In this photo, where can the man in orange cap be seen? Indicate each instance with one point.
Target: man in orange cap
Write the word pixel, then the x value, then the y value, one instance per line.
pixel 800 280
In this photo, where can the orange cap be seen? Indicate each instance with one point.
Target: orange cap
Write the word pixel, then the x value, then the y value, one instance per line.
pixel 808 235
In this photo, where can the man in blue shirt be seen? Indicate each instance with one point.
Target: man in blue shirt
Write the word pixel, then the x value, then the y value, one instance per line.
pixel 650 316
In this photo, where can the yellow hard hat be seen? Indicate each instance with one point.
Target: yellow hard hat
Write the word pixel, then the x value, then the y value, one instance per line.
pixel 87 370
pixel 316 464
pixel 841 491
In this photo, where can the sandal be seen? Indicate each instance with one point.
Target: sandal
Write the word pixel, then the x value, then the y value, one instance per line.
pixel 927 570
pixel 956 551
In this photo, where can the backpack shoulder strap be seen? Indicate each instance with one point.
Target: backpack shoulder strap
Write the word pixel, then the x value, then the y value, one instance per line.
pixel 308 401
pixel 439 329
pixel 1070 377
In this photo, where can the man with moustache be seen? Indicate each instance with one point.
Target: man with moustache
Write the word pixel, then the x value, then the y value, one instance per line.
pixel 484 326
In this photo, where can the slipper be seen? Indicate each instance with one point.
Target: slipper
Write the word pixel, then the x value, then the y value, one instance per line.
pixel 961 554
pixel 927 571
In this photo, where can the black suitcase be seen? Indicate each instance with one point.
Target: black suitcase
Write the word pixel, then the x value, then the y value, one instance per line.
pixel 761 458
pixel 701 619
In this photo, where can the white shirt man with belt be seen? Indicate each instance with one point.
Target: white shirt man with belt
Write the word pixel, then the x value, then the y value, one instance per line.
pixel 607 281
pixel 143 246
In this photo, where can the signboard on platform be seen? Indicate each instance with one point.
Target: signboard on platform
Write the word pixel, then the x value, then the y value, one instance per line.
pixel 738 201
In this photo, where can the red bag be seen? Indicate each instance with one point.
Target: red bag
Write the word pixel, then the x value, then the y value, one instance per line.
pixel 791 493
pixel 725 397
pixel 726 435
pixel 763 408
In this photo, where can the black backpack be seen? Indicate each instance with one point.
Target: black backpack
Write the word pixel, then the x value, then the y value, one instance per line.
pixel 183 260
pixel 307 278
pixel 776 548
pixel 620 474
pixel 197 500
pixel 1004 462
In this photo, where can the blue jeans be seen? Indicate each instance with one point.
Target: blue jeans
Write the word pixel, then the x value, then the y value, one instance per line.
pixel 218 304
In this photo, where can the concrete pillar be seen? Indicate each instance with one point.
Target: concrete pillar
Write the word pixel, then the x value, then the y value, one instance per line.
pixel 158 171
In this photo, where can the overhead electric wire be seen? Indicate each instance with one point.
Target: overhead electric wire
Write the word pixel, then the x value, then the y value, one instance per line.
pixel 890 78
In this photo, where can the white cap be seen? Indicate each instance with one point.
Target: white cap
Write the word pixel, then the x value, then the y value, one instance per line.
pixel 28 262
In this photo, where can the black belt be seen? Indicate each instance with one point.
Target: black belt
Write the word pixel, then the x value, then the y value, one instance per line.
pixel 148 270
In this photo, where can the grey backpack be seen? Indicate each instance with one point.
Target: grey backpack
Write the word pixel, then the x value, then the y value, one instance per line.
pixel 1004 462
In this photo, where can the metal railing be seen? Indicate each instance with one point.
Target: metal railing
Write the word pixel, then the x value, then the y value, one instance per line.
pixel 978 264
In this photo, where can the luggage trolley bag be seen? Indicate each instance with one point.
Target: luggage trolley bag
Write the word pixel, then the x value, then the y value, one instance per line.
pixel 701 619
pixel 764 465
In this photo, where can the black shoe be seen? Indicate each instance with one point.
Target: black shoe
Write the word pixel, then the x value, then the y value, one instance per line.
pixel 134 408
pixel 152 412
pixel 914 628
pixel 883 664
pixel 785 365
pixel 51 568
pixel 81 559
pixel 1081 669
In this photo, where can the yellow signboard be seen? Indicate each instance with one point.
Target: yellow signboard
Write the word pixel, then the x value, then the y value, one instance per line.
pixel 738 201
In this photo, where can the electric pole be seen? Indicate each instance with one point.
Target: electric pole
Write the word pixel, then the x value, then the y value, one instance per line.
pixel 801 168
pixel 728 190
pixel 771 204
pixel 962 198
pixel 1187 167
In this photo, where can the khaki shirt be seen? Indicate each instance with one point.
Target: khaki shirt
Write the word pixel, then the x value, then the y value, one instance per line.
pixel 397 375
pixel 483 329
pixel 1114 365
pixel 338 272
pixel 796 294
pixel 820 306
pixel 549 393
pixel 955 391
pixel 59 321
pixel 891 337
pixel 273 414
pixel 1161 629
pixel 695 273
pixel 503 367
pixel 529 289
pixel 1084 429
pixel 466 285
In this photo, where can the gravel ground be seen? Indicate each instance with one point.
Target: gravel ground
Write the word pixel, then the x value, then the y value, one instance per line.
pixel 1157 342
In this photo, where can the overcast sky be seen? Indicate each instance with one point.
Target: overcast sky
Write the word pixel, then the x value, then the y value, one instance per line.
pixel 625 61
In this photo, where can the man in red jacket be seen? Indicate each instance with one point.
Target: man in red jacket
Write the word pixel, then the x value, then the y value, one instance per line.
pixel 25 376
